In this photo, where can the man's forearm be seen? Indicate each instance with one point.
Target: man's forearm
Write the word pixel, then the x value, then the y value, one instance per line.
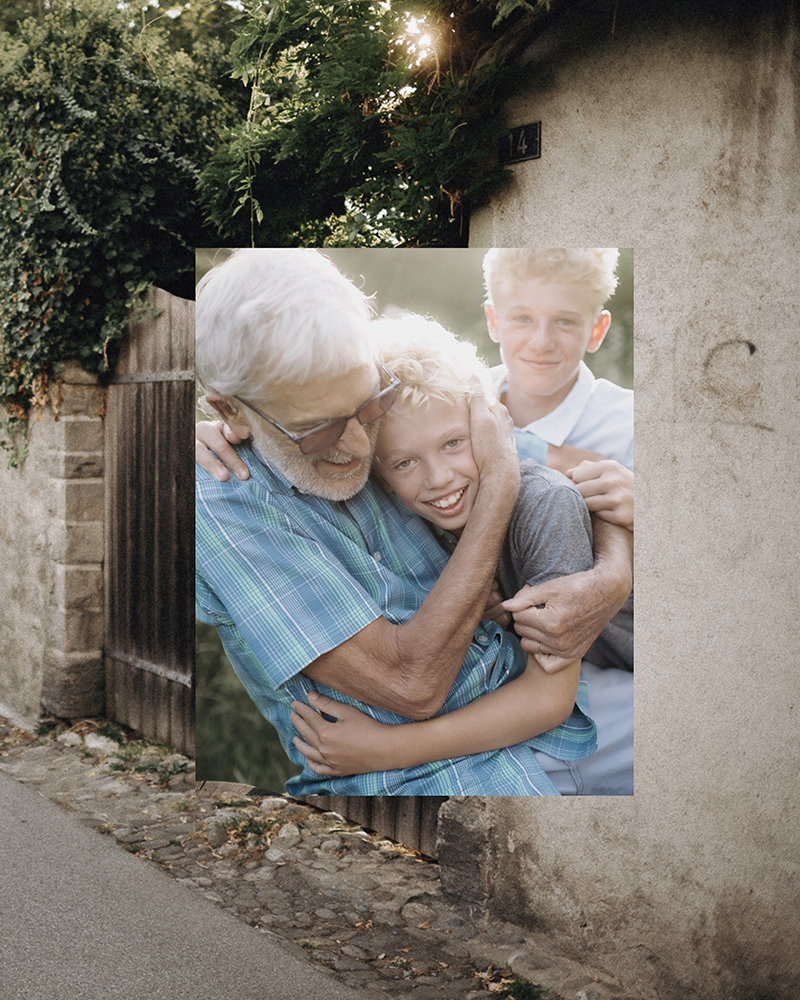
pixel 435 641
pixel 613 562
pixel 564 616
pixel 410 668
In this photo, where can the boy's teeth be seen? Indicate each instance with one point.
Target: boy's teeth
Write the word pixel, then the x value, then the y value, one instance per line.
pixel 448 501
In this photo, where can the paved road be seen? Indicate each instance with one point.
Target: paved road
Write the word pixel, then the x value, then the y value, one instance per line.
pixel 83 920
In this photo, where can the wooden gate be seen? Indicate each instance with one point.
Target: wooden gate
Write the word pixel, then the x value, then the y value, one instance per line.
pixel 149 517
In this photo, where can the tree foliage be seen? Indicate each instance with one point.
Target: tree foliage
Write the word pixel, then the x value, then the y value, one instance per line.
pixel 105 130
pixel 370 123
pixel 292 122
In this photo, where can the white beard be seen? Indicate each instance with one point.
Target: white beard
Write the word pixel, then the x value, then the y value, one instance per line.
pixel 301 470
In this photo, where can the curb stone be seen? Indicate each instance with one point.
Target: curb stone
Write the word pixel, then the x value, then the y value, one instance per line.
pixel 366 908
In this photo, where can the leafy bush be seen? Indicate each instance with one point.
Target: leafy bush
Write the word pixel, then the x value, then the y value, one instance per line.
pixel 105 131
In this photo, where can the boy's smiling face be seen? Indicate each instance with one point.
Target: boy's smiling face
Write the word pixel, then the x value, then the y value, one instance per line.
pixel 425 457
pixel 544 328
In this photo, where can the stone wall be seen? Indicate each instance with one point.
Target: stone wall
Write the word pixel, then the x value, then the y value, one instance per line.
pixel 51 548
pixel 678 135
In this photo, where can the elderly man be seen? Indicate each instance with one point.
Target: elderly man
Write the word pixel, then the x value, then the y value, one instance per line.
pixel 315 580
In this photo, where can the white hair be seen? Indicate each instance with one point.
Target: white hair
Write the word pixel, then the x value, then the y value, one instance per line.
pixel 269 316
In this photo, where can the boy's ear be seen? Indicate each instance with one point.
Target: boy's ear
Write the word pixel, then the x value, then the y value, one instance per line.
pixel 227 412
pixel 599 331
pixel 491 322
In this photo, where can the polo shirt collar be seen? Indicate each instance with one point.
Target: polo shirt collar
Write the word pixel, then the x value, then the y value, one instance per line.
pixel 556 426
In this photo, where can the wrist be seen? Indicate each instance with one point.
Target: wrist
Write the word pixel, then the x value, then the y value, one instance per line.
pixel 500 484
pixel 614 579
pixel 398 746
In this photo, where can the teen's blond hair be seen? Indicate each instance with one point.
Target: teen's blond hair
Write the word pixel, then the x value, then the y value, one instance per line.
pixel 593 267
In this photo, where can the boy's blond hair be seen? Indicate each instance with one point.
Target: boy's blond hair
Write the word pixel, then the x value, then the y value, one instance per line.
pixel 593 267
pixel 430 362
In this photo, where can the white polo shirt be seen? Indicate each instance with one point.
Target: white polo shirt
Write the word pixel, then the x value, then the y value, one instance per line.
pixel 596 415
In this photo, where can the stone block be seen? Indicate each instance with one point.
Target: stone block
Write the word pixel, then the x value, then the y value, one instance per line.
pixel 80 499
pixel 77 588
pixel 75 464
pixel 73 684
pixel 74 374
pixel 79 433
pixel 78 543
pixel 74 631
pixel 86 400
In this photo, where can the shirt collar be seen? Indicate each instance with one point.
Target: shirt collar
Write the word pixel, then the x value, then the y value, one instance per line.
pixel 556 425
pixel 262 471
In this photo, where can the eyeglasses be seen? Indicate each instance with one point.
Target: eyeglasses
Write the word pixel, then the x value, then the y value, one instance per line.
pixel 324 435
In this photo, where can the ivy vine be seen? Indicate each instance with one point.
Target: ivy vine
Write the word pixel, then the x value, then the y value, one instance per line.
pixel 131 135
pixel 105 131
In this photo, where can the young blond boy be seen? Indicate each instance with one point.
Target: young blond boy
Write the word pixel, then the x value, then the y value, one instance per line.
pixel 544 307
pixel 424 457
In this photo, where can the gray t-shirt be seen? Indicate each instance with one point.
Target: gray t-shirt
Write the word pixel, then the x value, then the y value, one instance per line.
pixel 550 535
pixel 550 532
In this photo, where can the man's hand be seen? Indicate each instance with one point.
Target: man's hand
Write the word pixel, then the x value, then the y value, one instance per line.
pixel 354 744
pixel 573 616
pixel 607 488
pixel 215 436
pixel 493 445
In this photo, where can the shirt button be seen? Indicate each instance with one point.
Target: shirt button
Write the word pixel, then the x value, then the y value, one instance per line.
pixel 378 556
pixel 483 639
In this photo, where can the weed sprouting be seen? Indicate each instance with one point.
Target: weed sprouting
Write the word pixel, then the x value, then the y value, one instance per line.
pixel 521 989
pixel 111 731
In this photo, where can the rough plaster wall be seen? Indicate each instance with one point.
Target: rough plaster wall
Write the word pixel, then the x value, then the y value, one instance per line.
pixel 27 506
pixel 684 145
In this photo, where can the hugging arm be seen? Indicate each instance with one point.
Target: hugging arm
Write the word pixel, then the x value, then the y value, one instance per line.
pixel 355 744
pixel 410 668
pixel 576 608
pixel 548 535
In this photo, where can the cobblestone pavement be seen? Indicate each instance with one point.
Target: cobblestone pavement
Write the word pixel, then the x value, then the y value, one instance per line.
pixel 368 909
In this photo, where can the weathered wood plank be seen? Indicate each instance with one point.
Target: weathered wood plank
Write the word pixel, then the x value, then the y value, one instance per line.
pixel 150 528
pixel 161 344
pixel 158 708
pixel 411 821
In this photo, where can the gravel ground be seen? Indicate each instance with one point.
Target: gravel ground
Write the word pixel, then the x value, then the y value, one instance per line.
pixel 365 907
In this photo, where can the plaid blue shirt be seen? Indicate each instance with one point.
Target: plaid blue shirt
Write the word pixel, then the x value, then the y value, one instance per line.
pixel 286 576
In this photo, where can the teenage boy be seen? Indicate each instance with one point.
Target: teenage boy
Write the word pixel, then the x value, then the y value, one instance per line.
pixel 545 309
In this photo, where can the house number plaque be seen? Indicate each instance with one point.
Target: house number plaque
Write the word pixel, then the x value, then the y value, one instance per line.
pixel 521 143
